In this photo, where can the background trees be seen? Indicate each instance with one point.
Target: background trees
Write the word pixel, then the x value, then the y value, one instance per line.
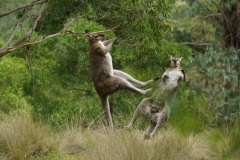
pixel 49 36
pixel 219 63
pixel 145 30
pixel 45 69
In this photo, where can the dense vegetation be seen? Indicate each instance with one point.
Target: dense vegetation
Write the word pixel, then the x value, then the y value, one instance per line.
pixel 50 110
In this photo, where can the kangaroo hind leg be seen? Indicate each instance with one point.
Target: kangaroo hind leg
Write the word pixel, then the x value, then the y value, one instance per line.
pixel 160 120
pixel 124 84
pixel 141 110
pixel 150 128
pixel 106 110
pixel 130 79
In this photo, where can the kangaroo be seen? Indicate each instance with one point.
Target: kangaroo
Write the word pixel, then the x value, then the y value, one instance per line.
pixel 107 80
pixel 157 108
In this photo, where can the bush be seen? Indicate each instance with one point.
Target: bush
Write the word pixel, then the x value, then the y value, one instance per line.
pixel 14 75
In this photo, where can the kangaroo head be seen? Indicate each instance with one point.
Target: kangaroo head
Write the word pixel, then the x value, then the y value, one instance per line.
pixel 94 37
pixel 175 62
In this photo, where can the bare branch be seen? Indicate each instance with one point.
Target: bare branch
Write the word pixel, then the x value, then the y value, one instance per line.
pixel 26 35
pixel 202 44
pixel 200 3
pixel 197 44
pixel 30 67
pixel 20 42
pixel 29 44
pixel 30 31
pixel 127 22
pixel 32 4
pixel 223 104
pixel 208 10
pixel 211 15
pixel 16 28
pixel 220 11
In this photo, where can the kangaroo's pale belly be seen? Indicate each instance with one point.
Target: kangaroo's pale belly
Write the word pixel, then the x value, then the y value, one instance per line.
pixel 109 63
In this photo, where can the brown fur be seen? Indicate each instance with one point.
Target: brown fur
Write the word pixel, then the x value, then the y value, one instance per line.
pixel 156 108
pixel 106 80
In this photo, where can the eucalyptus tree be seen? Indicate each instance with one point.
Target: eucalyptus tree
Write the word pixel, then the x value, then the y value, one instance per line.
pixel 51 18
pixel 220 62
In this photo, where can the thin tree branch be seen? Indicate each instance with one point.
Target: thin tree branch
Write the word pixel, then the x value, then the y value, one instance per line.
pixel 15 29
pixel 32 4
pixel 211 15
pixel 219 10
pixel 127 23
pixel 200 3
pixel 201 44
pixel 208 10
pixel 19 43
pixel 26 35
pixel 225 18
pixel 30 67
pixel 11 49
pixel 30 31
pixel 223 104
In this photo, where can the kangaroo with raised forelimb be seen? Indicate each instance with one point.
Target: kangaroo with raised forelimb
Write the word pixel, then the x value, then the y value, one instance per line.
pixel 106 80
pixel 156 108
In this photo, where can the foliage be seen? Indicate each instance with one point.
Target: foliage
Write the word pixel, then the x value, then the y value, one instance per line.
pixel 8 21
pixel 1 42
pixel 56 87
pixel 219 62
pixel 188 119
pixel 14 75
pixel 61 81
pixel 136 23
pixel 222 83
pixel 192 30
pixel 58 13
pixel 225 14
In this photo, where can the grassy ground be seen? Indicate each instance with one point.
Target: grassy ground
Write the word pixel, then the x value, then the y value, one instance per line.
pixel 21 138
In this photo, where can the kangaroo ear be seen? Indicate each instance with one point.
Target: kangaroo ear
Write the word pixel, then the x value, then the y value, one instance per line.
pixel 87 31
pixel 180 58
pixel 171 57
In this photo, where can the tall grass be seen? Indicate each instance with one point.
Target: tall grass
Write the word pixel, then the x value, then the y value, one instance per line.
pixel 21 138
pixel 225 142
pixel 167 144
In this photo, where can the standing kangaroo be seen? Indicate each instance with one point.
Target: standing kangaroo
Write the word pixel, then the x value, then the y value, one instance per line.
pixel 156 108
pixel 106 80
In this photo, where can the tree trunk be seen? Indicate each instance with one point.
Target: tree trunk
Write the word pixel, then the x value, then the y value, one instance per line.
pixel 231 25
